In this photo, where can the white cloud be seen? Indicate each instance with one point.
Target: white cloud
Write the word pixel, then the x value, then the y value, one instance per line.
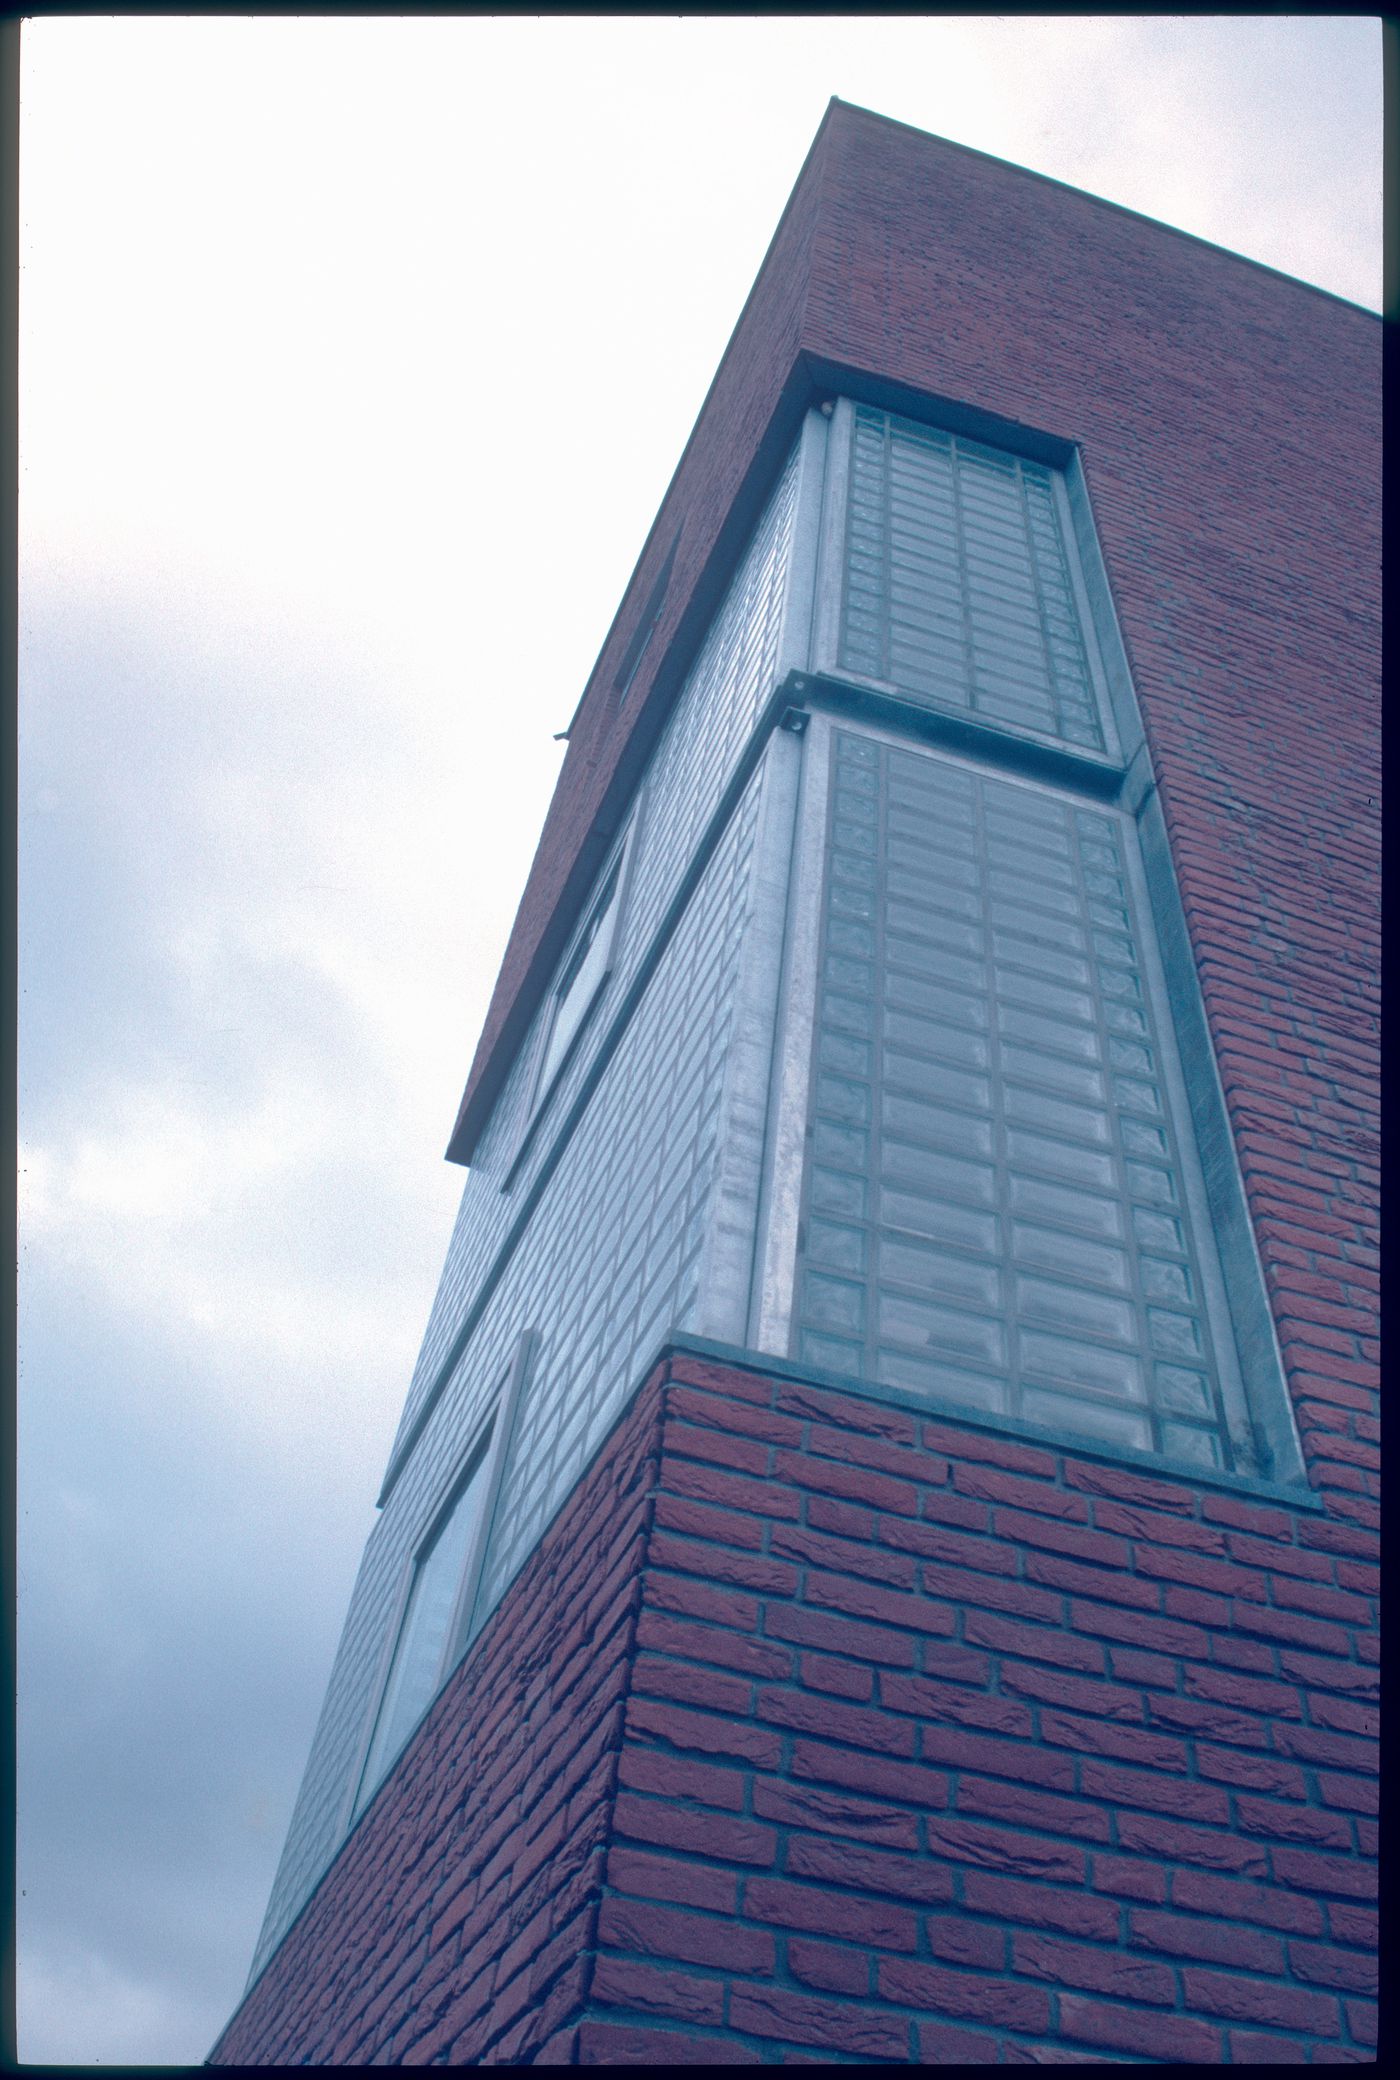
pixel 66 2004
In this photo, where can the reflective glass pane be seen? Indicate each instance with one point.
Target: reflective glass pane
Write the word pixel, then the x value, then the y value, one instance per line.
pixel 422 1642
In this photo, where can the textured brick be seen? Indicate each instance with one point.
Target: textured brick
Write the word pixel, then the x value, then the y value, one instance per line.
pixel 828 1966
pixel 1351 1924
pixel 664 1877
pixel 1322 1966
pixel 676 1776
pixel 997 1849
pixel 628 1982
pixel 861 1599
pixel 847 1722
pixel 1151 2035
pixel 1254 2048
pixel 880 1775
pixel 704 1733
pixel 1124 1486
pixel 835 1812
pixel 835 1634
pixel 672 1932
pixel 1040 1906
pixel 705 1834
pixel 1097 1971
pixel 624 2044
pixel 1163 1794
pixel 1218 1942
pixel 1250 1771
pixel 942 2044
pixel 1210 1847
pixel 874 1922
pixel 987 1484
pixel 867 1870
pixel 1033 1642
pixel 964 1994
pixel 692 1640
pixel 963 1750
pixel 1259 2000
pixel 838 1678
pixel 1324 1874
pixel 965 1942
pixel 800 2018
pixel 1107 1737
pixel 1363 2021
pixel 1292 1823
pixel 946 1705
pixel 1203 1893
pixel 1023 1807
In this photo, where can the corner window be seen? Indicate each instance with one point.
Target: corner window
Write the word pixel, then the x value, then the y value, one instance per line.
pixel 1001 1168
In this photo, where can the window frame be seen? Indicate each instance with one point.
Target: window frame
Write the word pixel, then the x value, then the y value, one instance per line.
pixel 486 1454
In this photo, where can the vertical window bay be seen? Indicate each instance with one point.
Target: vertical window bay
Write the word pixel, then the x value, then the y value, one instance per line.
pixel 995 1208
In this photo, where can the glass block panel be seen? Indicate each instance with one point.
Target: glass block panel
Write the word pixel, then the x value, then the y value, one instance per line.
pixel 1010 1229
pixel 957 581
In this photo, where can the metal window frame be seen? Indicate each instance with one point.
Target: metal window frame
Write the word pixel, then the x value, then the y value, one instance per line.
pixel 832 575
pixel 1253 1378
pixel 488 1447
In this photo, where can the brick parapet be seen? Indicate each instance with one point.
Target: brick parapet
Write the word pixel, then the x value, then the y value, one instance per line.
pixel 816 1725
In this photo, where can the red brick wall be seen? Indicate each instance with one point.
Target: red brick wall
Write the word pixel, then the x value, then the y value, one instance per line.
pixel 819 1727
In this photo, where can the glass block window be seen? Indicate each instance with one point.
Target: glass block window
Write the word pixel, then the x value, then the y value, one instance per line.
pixel 995 1208
pixel 957 585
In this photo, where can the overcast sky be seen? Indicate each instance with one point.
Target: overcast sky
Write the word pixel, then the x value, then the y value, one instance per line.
pixel 356 356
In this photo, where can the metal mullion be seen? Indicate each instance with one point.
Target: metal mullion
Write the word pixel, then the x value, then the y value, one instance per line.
pixel 960 534
pixel 1131 1248
pixel 867 1277
pixel 831 604
pixel 1038 584
pixel 874 1221
pixel 996 1076
pixel 783 1201
pixel 1237 1420
pixel 887 550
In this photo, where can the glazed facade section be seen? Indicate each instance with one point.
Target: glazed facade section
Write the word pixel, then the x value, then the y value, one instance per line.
pixel 995 1209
